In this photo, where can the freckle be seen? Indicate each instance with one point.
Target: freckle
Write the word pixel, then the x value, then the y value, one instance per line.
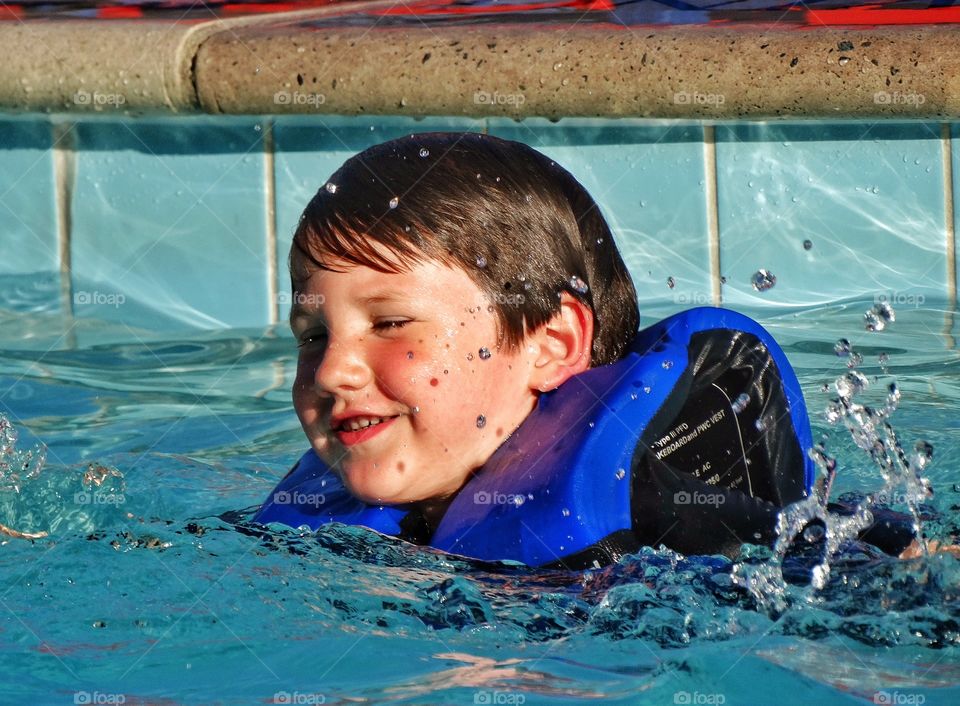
pixel 434 382
pixel 462 324
pixel 400 466
pixel 499 431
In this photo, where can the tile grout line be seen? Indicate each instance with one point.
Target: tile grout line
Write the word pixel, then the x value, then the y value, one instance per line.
pixel 270 197
pixel 713 211
pixel 64 171
pixel 946 152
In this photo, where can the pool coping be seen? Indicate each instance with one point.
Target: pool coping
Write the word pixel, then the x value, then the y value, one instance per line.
pixel 310 62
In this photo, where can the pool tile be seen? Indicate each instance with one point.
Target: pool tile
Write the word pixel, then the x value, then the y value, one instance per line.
pixel 28 226
pixel 648 179
pixel 867 197
pixel 309 149
pixel 169 223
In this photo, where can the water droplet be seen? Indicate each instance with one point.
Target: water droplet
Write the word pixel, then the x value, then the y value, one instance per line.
pixel 578 285
pixel 484 353
pixel 558 66
pixel 591 424
pixel 481 261
pixel 893 397
pixel 850 384
pixel 667 364
pixel 855 359
pixel 740 403
pixel 762 280
pixel 646 390
pixel 807 244
pixel 878 316
pixel 469 356
pixel 620 474
pixel 416 410
pixel 446 372
pixel 424 152
pixel 842 347
pixel 843 60
pixel 409 355
pixel 883 359
pixel 257 127
pixel 671 283
pixel 633 395
pixel 481 421
pixel 834 412
pixel 394 202
pixel 331 187
pixel 723 280
pixel 760 425
pixel 528 198
pixel 565 512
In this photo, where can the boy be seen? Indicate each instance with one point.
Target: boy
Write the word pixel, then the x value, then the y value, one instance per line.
pixel 444 285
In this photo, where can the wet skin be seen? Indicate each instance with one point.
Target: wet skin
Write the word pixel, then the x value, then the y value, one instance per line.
pixel 404 349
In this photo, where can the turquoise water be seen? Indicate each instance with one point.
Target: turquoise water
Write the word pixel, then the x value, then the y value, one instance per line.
pixel 142 592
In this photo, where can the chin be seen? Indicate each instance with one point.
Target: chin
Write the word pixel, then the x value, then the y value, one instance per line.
pixel 375 492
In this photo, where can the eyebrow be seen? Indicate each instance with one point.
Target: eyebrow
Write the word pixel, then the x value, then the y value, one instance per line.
pixel 385 295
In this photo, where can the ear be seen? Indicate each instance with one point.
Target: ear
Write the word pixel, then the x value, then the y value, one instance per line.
pixel 561 347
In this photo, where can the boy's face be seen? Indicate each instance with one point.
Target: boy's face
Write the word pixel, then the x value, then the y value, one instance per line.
pixel 414 355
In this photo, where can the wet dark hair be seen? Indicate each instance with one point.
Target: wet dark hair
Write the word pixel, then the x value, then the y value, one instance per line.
pixel 521 227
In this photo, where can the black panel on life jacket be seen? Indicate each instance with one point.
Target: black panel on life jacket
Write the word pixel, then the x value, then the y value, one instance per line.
pixel 706 476
pixel 702 430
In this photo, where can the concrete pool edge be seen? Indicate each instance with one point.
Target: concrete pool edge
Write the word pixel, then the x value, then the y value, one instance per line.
pixel 312 62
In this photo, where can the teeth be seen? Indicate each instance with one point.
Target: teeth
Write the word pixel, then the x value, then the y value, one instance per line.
pixel 358 423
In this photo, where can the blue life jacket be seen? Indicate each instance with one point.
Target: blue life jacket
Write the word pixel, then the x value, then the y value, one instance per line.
pixel 566 480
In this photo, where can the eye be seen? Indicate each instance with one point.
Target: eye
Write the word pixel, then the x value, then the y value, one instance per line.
pixel 311 337
pixel 390 324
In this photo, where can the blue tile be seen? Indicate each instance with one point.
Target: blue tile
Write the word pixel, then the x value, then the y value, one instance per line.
pixel 28 224
pixel 648 179
pixel 868 197
pixel 169 223
pixel 309 149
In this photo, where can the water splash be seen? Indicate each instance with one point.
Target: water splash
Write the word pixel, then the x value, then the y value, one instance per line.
pixel 808 524
pixel 77 499
pixel 17 467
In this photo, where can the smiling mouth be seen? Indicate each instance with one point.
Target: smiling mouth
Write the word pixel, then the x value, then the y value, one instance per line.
pixel 358 423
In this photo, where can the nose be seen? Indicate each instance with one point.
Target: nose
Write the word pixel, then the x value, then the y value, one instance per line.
pixel 342 367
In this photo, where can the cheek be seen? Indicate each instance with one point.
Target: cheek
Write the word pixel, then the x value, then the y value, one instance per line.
pixel 303 391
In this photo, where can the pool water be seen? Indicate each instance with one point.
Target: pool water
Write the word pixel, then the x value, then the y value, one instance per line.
pixel 149 587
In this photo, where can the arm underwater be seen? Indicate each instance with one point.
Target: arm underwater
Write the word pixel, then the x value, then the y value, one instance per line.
pixel 695 440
